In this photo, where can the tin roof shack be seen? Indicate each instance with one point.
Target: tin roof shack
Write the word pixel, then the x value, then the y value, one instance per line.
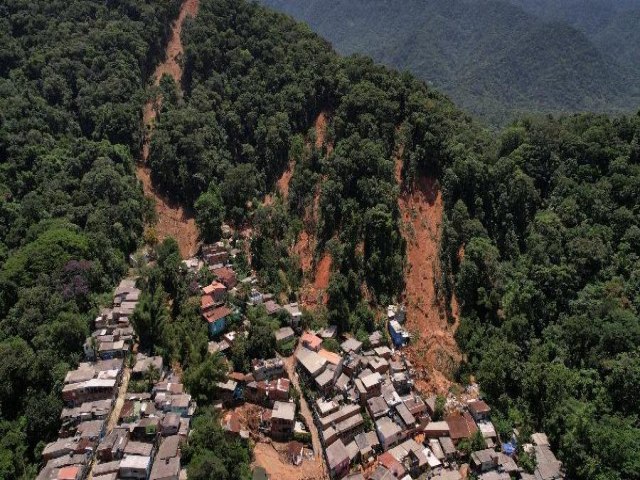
pixel 479 410
pixel 284 334
pixel 389 433
pixel 283 420
pixel 267 369
pixel 144 363
pixel 337 459
pixel 293 309
pixel 113 445
pixel 377 407
pixel 461 427
pixel 436 429
pixel 310 363
pixel 134 467
pixel 484 460
pixel 351 345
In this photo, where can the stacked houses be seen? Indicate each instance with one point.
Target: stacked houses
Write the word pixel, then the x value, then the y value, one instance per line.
pixel 90 390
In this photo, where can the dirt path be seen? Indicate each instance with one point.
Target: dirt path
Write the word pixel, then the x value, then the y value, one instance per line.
pixel 289 363
pixel 114 416
pixel 433 350
pixel 173 220
pixel 117 408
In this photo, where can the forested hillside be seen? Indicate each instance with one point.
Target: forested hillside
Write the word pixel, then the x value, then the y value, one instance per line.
pixel 540 243
pixel 72 77
pixel 549 283
pixel 494 58
pixel 546 216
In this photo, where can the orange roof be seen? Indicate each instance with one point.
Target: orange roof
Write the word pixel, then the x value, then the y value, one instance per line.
pixel 68 473
pixel 209 289
pixel 216 314
pixel 461 426
pixel 206 301
pixel 331 357
pixel 225 274
pixel 479 407
pixel 311 340
pixel 390 463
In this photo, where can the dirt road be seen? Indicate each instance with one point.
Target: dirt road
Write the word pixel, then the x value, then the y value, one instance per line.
pixel 117 407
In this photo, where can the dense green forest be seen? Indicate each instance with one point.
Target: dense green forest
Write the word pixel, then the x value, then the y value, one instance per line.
pixel 72 78
pixel 546 212
pixel 550 283
pixel 495 58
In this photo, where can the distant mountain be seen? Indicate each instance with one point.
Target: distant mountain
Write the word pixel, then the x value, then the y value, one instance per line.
pixel 495 58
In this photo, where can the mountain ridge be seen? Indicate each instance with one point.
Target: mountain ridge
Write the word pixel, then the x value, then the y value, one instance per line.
pixel 443 45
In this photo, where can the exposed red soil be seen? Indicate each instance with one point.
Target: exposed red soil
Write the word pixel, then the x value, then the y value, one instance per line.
pixel 433 351
pixel 283 182
pixel 173 220
pixel 282 185
pixel 272 457
pixel 315 276
pixel 321 131
pixel 174 49
pixel 323 271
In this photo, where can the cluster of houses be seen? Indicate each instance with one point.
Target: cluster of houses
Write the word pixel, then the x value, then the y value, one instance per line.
pixel 147 435
pixel 107 433
pixel 365 407
pixel 368 413
pixel 89 392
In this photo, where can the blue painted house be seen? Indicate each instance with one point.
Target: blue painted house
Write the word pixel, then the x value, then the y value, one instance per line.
pixel 399 336
pixel 217 319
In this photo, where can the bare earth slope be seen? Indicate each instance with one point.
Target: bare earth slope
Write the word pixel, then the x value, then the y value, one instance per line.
pixel 433 350
pixel 173 220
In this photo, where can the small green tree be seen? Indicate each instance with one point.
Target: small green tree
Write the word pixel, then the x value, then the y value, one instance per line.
pixel 210 215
